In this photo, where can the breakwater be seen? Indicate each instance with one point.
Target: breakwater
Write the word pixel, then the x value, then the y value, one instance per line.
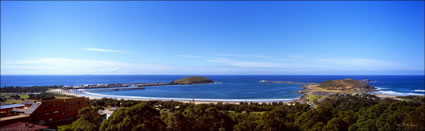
pixel 133 85
pixel 286 82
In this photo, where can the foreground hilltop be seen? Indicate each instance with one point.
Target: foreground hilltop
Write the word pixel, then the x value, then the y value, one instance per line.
pixel 347 85
pixel 193 80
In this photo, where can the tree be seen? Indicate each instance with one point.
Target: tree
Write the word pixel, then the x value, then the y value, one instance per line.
pixel 275 120
pixel 335 124
pixel 89 120
pixel 416 119
pixel 138 117
pixel 207 118
pixel 318 126
pixel 247 121
pixel 178 122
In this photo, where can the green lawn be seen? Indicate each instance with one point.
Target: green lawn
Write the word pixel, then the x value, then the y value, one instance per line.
pixel 23 96
pixel 9 101
pixel 312 98
pixel 6 94
pixel 62 97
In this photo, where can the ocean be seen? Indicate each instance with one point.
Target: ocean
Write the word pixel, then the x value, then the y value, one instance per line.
pixel 235 87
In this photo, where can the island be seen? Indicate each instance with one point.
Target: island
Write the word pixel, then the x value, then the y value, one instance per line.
pixel 192 80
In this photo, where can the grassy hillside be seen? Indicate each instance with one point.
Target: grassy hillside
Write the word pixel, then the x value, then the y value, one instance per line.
pixel 347 84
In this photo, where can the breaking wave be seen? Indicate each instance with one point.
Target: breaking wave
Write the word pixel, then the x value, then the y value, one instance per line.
pixel 398 93
pixel 416 90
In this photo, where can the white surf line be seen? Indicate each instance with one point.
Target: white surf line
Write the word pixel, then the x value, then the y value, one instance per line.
pixel 185 99
pixel 398 93
pixel 379 88
pixel 416 90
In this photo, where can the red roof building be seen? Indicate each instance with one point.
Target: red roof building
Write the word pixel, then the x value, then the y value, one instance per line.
pixel 57 111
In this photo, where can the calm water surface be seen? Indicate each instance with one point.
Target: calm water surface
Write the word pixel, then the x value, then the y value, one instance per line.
pixel 226 86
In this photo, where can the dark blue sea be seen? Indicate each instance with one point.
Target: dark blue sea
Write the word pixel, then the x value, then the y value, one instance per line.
pixel 226 86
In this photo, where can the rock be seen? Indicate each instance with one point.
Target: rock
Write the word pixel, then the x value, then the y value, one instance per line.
pixel 193 80
pixel 367 80
pixel 347 84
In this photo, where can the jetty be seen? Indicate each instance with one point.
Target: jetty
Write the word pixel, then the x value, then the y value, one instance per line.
pixel 285 82
pixel 131 85
pixel 183 81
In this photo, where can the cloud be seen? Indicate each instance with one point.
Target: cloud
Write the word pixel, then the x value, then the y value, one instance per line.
pixel 247 64
pixel 362 64
pixel 104 50
pixel 220 65
pixel 77 66
pixel 296 56
pixel 69 66
pixel 317 65
pixel 190 56
pixel 242 55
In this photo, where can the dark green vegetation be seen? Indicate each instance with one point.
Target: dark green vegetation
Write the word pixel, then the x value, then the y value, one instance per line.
pixel 20 89
pixel 337 112
pixel 347 84
pixel 42 96
pixel 89 119
pixel 111 102
pixel 47 96
pixel 138 117
pixel 193 80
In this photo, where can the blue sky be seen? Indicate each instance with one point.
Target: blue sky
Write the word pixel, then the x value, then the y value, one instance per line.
pixel 212 37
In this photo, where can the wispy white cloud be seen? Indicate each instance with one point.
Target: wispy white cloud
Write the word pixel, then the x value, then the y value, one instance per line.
pixel 318 65
pixel 219 65
pixel 242 55
pixel 71 66
pixel 77 66
pixel 190 56
pixel 361 64
pixel 104 50
pixel 253 64
pixel 296 56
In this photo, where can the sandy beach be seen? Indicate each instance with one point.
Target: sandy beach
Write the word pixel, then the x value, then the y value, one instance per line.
pixel 82 93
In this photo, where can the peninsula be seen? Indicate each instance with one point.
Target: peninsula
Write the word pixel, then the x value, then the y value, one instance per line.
pixel 315 92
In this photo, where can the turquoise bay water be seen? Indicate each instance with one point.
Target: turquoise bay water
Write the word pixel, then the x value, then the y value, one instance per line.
pixel 226 86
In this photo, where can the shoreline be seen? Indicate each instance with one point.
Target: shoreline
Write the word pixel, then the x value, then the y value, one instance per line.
pixel 306 91
pixel 312 90
pixel 82 93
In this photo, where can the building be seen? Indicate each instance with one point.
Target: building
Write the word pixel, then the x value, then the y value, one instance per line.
pixel 107 112
pixel 5 110
pixel 4 121
pixel 57 111
pixel 47 112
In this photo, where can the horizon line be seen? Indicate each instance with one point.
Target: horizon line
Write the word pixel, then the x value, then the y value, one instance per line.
pixel 211 74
